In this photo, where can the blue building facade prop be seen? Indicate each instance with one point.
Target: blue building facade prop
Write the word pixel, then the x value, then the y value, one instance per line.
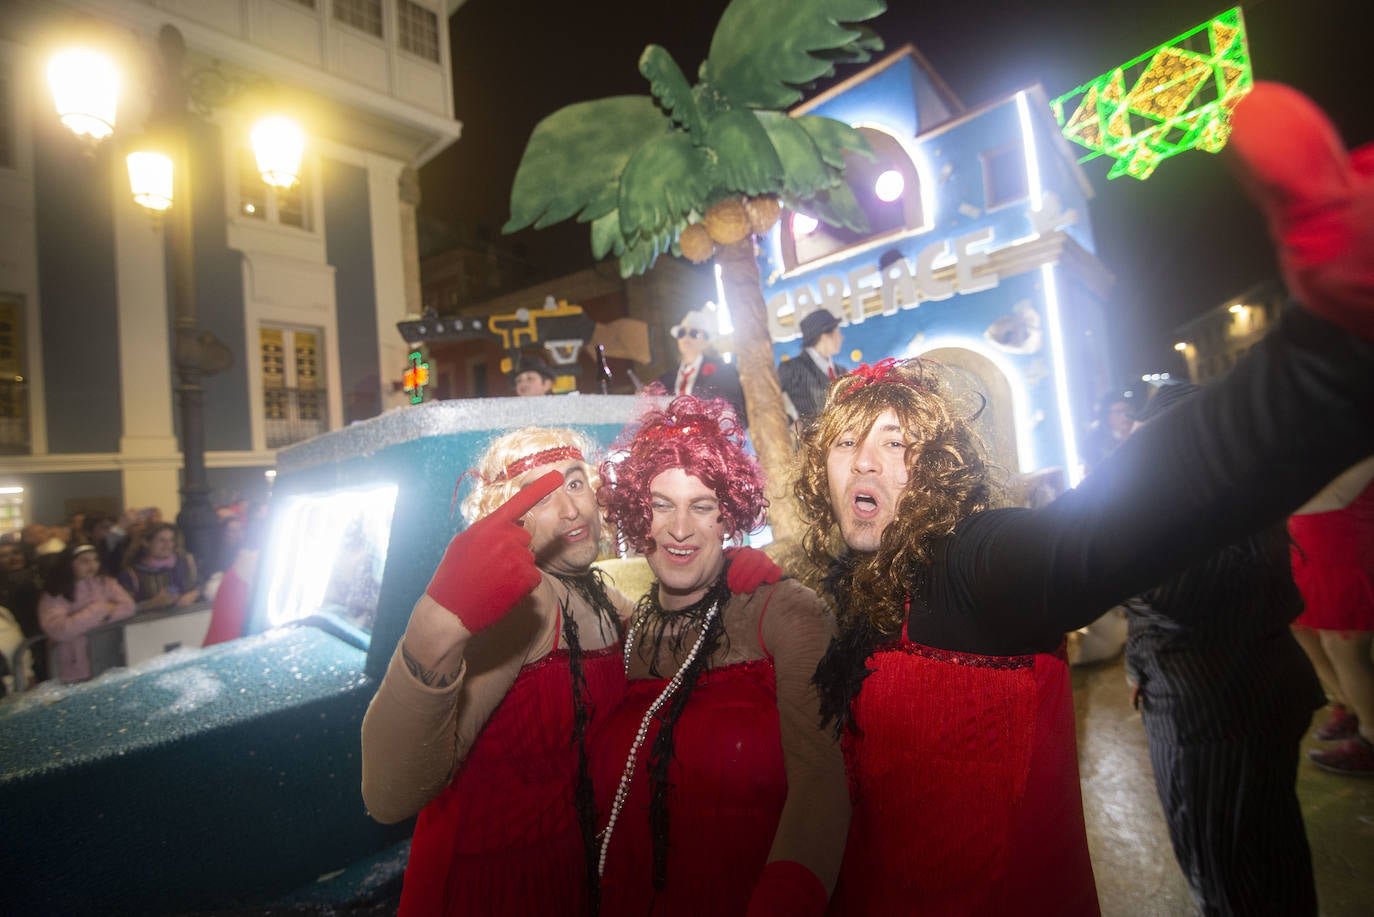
pixel 980 255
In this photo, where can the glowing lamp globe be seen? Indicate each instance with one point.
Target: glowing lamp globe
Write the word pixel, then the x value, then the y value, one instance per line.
pixel 278 144
pixel 889 186
pixel 150 178
pixel 803 225
pixel 85 88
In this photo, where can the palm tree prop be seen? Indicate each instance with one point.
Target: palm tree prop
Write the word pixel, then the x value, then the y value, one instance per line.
pixel 699 170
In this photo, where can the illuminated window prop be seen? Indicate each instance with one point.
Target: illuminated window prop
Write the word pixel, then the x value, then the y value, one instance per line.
pixel 416 378
pixel 804 240
pixel 889 186
pixel 329 551
pixel 1176 97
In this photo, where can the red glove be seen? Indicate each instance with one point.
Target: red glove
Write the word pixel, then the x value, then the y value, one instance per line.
pixel 750 568
pixel 787 889
pixel 488 566
pixel 1318 199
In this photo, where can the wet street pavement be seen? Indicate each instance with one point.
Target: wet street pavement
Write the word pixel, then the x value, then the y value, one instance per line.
pixel 1137 875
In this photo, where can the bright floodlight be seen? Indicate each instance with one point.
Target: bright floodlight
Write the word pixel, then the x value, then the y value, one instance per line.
pixel 1181 346
pixel 328 552
pixel 1237 309
pixel 889 186
pixel 85 87
pixel 803 225
pixel 278 144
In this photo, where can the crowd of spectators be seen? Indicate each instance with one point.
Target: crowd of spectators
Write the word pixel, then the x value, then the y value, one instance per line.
pixel 63 581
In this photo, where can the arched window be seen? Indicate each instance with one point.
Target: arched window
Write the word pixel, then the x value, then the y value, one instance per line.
pixel 888 190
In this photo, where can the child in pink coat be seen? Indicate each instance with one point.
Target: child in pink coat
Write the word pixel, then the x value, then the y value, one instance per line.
pixel 77 598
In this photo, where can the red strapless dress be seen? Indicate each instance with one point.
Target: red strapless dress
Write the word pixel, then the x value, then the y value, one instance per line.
pixel 503 838
pixel 1333 565
pixel 964 780
pixel 727 791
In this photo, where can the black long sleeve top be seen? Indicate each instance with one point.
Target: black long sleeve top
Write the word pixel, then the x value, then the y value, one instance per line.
pixel 1289 418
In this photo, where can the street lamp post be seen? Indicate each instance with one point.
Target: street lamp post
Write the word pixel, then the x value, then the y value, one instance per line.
pixel 196 353
pixel 197 519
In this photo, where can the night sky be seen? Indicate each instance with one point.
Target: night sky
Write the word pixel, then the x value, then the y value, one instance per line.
pixel 1179 243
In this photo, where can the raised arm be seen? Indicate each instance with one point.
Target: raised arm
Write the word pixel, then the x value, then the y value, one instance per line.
pixel 1250 449
pixel 1242 455
pixel 468 636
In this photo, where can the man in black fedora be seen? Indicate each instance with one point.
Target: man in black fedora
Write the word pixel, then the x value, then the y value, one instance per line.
pixel 806 378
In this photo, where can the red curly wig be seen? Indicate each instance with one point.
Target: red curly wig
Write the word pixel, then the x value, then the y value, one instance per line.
pixel 701 437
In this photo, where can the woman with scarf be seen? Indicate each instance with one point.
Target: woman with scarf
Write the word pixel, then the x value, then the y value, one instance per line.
pixel 157 570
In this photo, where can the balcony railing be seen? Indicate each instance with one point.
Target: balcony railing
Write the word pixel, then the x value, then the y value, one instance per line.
pixel 294 414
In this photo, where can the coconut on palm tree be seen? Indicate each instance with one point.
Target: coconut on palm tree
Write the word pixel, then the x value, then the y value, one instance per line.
pixel 699 170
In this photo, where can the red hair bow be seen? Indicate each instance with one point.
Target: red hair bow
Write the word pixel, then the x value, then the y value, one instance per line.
pixel 878 372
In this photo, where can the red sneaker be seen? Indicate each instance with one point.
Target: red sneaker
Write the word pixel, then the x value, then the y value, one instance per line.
pixel 1352 758
pixel 1342 724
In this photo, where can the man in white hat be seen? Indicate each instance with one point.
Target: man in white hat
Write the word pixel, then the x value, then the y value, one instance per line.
pixel 806 378
pixel 700 372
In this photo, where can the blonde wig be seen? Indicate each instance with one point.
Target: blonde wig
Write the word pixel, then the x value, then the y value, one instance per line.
pixel 502 469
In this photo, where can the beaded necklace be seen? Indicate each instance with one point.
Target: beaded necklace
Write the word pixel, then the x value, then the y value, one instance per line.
pixel 674 684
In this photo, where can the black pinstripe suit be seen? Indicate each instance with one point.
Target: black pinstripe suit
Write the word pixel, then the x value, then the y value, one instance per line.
pixel 805 383
pixel 1226 696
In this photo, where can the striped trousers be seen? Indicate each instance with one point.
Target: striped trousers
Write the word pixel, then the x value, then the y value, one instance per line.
pixel 1235 824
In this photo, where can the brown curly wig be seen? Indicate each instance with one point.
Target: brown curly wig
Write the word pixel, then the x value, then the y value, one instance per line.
pixel 703 439
pixel 949 479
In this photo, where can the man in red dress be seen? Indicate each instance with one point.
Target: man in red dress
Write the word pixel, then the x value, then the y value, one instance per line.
pixel 947 677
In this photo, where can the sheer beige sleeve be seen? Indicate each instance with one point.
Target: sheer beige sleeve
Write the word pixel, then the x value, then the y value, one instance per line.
pixel 796 631
pixel 416 735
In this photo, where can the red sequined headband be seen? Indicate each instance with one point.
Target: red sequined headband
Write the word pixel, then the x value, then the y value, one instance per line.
pixel 534 460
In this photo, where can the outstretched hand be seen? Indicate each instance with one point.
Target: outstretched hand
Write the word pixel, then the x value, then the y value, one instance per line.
pixel 488 566
pixel 1319 201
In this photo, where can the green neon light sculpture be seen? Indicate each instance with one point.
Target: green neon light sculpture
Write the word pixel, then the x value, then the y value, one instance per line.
pixel 1180 97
